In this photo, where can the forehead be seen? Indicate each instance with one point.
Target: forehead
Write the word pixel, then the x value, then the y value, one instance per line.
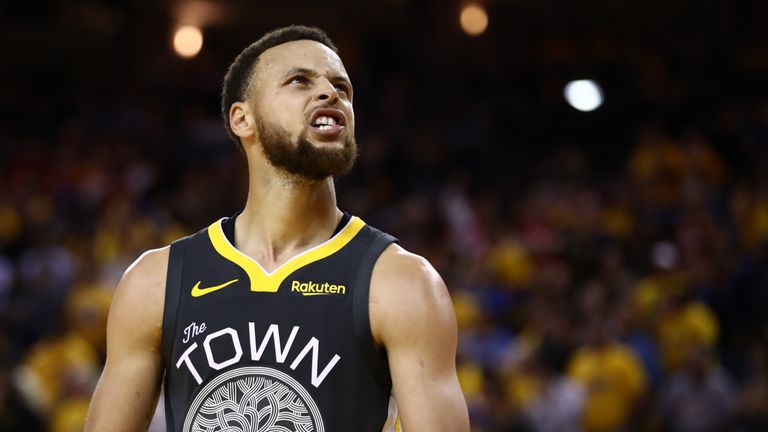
pixel 307 54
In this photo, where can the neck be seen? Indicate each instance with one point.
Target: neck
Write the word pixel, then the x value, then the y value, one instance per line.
pixel 284 215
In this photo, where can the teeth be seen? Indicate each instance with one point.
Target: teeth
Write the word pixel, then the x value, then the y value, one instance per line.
pixel 325 120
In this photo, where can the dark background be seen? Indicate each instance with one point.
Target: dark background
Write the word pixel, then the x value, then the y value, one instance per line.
pixel 616 255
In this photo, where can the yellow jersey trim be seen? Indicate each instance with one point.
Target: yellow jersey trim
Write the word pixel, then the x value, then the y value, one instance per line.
pixel 263 281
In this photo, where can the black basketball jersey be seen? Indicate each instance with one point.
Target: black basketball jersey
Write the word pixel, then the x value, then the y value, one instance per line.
pixel 287 350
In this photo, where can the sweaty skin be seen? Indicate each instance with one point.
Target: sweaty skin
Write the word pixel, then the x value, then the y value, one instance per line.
pixel 410 310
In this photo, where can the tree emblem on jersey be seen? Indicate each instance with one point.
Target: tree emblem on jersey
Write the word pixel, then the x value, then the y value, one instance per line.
pixel 253 404
pixel 253 399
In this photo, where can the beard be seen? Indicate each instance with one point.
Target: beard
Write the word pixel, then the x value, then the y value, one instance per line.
pixel 302 158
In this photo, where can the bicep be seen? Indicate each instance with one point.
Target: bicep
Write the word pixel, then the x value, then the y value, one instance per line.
pixel 418 329
pixel 127 392
pixel 126 396
pixel 424 381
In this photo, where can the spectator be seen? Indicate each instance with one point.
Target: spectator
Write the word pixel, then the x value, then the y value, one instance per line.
pixel 699 397
pixel 612 376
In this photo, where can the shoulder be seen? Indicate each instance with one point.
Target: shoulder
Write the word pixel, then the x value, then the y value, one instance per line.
pixel 406 291
pixel 140 294
pixel 406 276
pixel 148 271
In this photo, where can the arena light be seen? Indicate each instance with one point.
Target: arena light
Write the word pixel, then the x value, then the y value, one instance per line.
pixel 473 19
pixel 584 95
pixel 188 41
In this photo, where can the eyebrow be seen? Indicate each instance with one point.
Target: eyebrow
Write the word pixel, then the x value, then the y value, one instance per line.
pixel 305 71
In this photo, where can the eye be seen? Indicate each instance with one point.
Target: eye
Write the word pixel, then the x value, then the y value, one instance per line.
pixel 298 79
pixel 343 89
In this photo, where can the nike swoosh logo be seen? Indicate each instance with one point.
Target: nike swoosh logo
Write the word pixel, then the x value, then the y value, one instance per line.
pixel 197 291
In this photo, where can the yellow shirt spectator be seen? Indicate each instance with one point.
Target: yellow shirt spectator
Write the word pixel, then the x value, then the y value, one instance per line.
pixel 52 366
pixel 613 378
pixel 69 416
pixel 683 329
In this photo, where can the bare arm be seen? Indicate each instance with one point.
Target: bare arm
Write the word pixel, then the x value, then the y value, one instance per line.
pixel 413 318
pixel 126 396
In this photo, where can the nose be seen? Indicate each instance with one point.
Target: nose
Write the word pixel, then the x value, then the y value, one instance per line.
pixel 326 92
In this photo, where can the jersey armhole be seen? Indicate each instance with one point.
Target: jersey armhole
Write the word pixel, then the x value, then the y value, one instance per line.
pixel 170 308
pixel 374 356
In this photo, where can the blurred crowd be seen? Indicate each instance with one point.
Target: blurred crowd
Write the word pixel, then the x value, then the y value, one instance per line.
pixel 607 275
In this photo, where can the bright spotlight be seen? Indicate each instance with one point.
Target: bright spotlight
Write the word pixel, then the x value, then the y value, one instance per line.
pixel 474 19
pixel 188 41
pixel 584 95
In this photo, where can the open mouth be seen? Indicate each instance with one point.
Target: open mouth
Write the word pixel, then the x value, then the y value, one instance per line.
pixel 327 119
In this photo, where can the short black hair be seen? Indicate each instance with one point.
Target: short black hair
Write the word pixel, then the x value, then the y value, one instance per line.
pixel 238 77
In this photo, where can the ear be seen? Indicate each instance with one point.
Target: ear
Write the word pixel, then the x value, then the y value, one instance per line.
pixel 241 120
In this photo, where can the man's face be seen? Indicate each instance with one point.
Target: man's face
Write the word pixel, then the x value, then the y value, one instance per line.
pixel 302 102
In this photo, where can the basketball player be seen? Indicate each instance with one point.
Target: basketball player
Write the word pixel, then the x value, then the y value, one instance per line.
pixel 292 315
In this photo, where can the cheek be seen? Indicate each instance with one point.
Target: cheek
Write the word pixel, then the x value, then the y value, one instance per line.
pixel 290 113
pixel 284 115
pixel 349 112
pixel 352 118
